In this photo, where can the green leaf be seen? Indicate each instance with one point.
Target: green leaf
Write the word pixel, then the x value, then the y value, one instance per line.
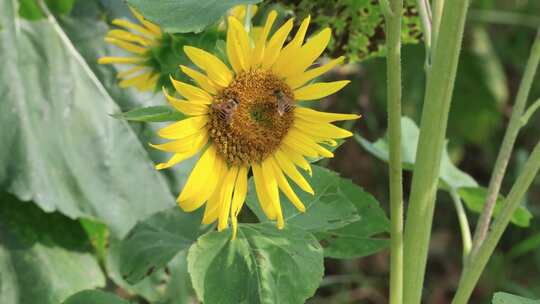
pixel 328 209
pixel 342 215
pixel 44 257
pixel 187 15
pixel 65 152
pixel 362 237
pixel 263 265
pixel 94 297
pixel 29 9
pixel 151 114
pixel 506 298
pixel 475 198
pixel 450 176
pixel 152 243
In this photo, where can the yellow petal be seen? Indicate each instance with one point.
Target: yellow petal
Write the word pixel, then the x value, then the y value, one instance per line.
pixel 132 26
pixel 233 54
pixel 290 51
pixel 321 129
pixel 181 145
pixel 121 60
pixel 184 128
pixel 317 116
pixel 216 70
pixel 181 156
pixel 192 93
pixel 264 198
pixel 307 54
pixel 285 187
pixel 128 36
pixel 149 25
pixel 297 159
pixel 201 79
pixel 211 211
pixel 225 204
pixel 288 167
pixel 273 48
pixel 240 191
pixel 299 80
pixel 240 40
pixel 202 181
pixel 305 148
pixel 319 90
pixel 272 190
pixel 299 137
pixel 138 81
pixel 186 107
pixel 129 72
pixel 151 84
pixel 258 52
pixel 130 47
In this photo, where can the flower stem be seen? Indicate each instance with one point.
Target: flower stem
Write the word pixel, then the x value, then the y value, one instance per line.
pixel 440 85
pixel 436 23
pixel 472 273
pixel 393 71
pixel 505 152
pixel 463 224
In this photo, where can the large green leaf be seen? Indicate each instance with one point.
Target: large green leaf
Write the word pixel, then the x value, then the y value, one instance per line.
pixel 152 243
pixel 263 265
pixel 328 209
pixel 362 237
pixel 187 15
pixel 475 198
pixel 94 297
pixel 44 258
pixel 151 114
pixel 346 219
pixel 64 150
pixel 506 298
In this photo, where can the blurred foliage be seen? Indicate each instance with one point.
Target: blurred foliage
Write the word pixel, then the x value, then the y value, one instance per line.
pixel 357 25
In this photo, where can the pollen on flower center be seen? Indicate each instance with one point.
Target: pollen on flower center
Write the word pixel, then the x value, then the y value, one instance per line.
pixel 250 117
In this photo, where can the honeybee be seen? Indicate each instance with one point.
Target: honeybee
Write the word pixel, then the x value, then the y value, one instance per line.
pixel 285 104
pixel 225 109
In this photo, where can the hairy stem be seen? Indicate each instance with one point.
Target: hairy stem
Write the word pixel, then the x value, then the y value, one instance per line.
pixel 463 224
pixel 472 273
pixel 440 86
pixel 393 71
pixel 505 152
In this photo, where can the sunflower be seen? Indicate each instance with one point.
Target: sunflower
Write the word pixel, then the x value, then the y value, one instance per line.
pixel 245 118
pixel 139 41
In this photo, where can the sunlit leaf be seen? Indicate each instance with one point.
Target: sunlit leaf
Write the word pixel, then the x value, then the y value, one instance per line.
pixel 263 265
pixel 347 220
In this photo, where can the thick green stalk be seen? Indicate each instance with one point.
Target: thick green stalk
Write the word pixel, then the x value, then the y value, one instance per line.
pixel 393 72
pixel 437 100
pixel 472 273
pixel 505 152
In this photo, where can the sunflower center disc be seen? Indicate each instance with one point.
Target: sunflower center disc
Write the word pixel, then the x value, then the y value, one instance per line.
pixel 250 117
